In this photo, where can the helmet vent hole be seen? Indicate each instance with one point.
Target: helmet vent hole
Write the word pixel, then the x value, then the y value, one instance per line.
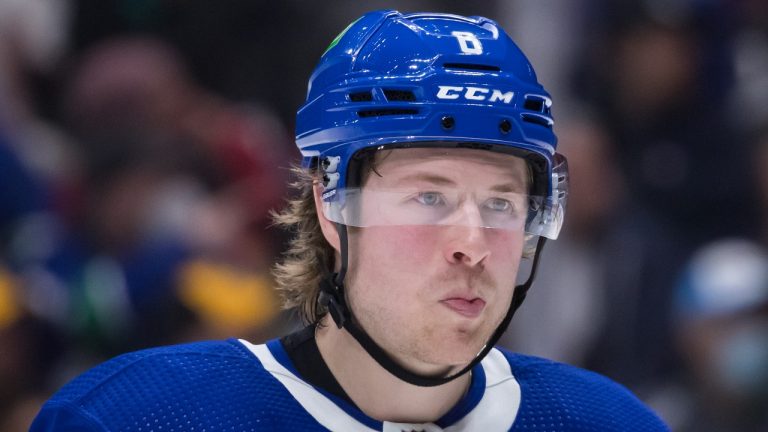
pixel 471 67
pixel 538 104
pixel 538 119
pixel 533 104
pixel 399 95
pixel 364 96
pixel 386 112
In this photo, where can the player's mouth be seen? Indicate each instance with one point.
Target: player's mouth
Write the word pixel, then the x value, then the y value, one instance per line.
pixel 470 308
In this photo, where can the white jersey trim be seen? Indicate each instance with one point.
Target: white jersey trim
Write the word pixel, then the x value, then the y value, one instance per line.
pixel 496 410
pixel 317 405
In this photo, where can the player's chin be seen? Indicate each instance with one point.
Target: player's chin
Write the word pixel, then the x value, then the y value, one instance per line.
pixel 452 364
pixel 457 351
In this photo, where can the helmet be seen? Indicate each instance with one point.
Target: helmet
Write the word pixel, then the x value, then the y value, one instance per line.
pixel 425 80
pixel 391 80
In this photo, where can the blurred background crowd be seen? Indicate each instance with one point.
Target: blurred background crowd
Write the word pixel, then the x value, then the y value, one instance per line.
pixel 143 143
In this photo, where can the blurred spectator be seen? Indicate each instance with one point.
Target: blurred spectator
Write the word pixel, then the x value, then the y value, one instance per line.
pixel 140 86
pixel 33 41
pixel 660 78
pixel 172 177
pixel 722 313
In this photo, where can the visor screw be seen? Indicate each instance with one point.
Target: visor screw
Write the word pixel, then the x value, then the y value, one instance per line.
pixel 505 126
pixel 447 122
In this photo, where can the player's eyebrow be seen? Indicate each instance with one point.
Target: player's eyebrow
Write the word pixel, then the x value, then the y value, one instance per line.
pixel 438 180
pixel 435 179
pixel 514 187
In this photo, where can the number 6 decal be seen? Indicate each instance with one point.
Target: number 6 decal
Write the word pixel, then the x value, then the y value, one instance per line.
pixel 468 42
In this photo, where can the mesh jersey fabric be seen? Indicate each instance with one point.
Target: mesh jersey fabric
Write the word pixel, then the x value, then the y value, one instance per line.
pixel 223 386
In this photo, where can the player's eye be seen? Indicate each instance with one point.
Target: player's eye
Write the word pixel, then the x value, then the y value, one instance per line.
pixel 431 199
pixel 499 205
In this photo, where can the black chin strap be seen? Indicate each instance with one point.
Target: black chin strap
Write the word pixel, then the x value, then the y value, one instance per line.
pixel 333 297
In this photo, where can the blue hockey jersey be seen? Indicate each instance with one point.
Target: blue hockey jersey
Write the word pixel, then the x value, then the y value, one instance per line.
pixel 234 385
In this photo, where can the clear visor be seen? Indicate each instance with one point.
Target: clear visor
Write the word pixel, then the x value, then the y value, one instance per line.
pixel 367 207
pixel 449 187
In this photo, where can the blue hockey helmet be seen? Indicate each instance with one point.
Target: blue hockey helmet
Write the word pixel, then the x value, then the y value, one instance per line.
pixel 391 80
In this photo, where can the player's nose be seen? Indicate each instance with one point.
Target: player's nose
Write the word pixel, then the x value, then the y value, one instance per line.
pixel 466 240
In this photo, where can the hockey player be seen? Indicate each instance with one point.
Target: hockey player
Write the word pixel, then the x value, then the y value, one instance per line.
pixel 429 172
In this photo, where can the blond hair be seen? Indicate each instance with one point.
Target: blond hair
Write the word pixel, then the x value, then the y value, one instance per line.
pixel 309 257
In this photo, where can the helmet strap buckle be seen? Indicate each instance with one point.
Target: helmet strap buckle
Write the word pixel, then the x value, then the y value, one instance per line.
pixel 332 297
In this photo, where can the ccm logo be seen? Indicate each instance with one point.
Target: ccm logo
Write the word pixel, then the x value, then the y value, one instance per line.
pixel 474 93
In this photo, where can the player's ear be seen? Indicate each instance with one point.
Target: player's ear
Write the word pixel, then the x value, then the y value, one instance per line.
pixel 328 227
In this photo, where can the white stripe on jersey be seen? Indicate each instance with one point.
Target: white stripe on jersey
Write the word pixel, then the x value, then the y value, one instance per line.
pixel 498 408
pixel 317 405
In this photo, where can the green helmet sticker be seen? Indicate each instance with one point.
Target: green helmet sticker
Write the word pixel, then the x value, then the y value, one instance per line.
pixel 340 35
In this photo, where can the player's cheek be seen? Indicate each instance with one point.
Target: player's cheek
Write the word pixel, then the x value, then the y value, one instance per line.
pixel 409 245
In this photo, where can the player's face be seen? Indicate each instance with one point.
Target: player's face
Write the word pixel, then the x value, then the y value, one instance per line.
pixel 432 294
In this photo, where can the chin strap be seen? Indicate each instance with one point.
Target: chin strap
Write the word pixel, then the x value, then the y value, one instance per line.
pixel 333 297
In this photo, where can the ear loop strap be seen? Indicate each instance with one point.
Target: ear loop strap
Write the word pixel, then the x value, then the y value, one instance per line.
pixel 333 297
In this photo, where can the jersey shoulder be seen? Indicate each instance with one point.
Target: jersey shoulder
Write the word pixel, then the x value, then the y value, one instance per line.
pixel 557 396
pixel 217 384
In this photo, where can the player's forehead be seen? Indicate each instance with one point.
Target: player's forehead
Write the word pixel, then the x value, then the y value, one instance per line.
pixel 460 166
